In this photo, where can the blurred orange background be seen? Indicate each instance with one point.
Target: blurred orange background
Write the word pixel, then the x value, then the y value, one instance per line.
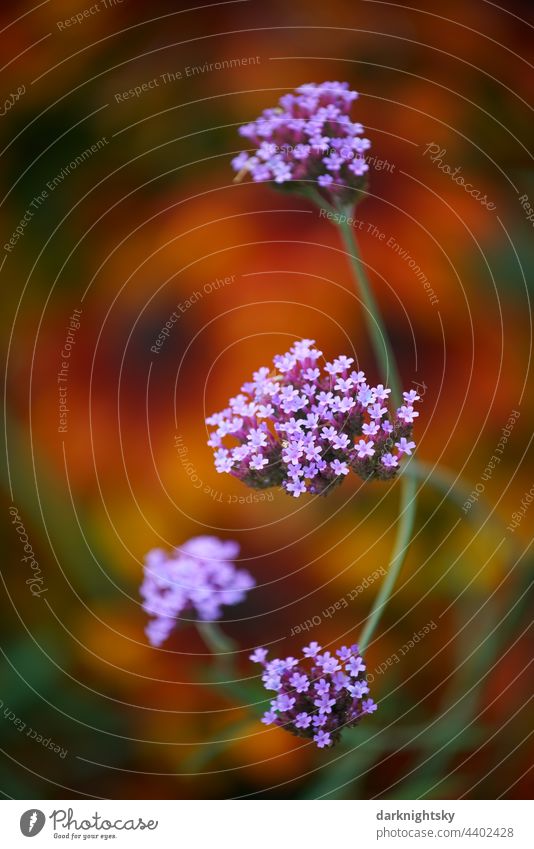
pixel 152 217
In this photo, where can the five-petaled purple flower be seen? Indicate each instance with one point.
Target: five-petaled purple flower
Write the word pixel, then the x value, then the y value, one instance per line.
pixel 319 696
pixel 199 577
pixel 303 429
pixel 308 138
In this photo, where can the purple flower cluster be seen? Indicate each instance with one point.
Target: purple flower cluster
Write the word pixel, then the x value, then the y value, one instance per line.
pixel 319 700
pixel 199 576
pixel 309 136
pixel 304 429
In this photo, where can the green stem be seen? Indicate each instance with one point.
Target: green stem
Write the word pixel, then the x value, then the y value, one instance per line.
pixel 402 541
pixel 384 353
pixel 216 640
pixel 377 330
pixel 445 481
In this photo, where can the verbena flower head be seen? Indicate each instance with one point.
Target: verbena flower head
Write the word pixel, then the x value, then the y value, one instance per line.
pixel 318 696
pixel 308 137
pixel 304 428
pixel 198 577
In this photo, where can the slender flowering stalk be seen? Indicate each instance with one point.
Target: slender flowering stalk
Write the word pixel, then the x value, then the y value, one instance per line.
pixel 402 541
pixel 377 329
pixel 288 151
pixel 318 696
pixel 200 578
pixel 216 640
pixel 408 496
pixel 304 428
